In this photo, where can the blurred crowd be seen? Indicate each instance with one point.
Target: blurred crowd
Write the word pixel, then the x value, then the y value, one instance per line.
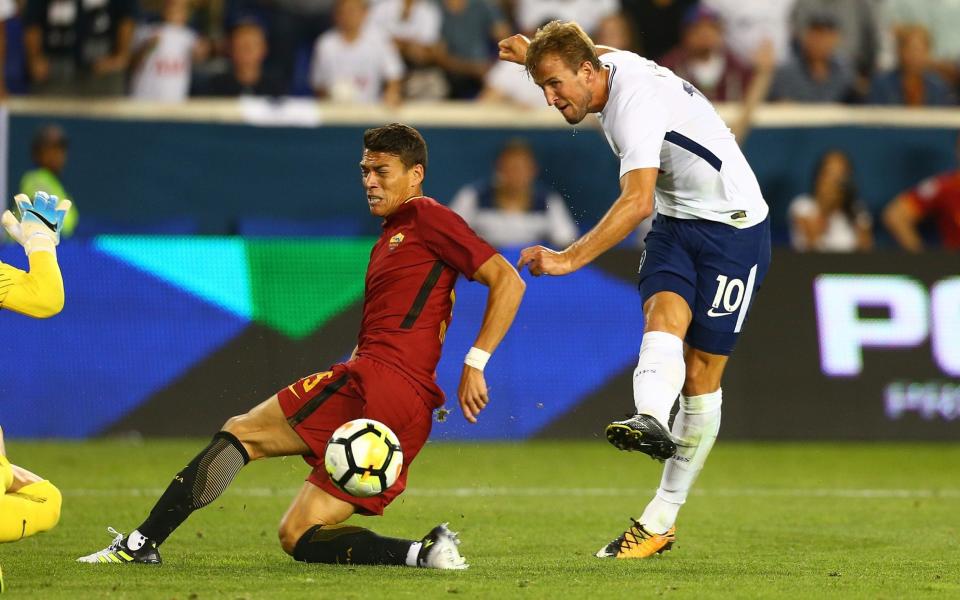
pixel 899 52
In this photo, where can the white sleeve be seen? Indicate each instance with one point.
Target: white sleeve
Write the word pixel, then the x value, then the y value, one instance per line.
pixel 319 74
pixel 638 131
pixel 802 206
pixel 8 8
pixel 464 203
pixel 391 63
pixel 563 230
pixel 432 22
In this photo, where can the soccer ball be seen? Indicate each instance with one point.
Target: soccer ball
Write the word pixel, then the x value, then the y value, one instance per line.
pixel 363 457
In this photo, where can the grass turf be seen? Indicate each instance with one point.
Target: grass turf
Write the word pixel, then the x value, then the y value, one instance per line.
pixel 766 520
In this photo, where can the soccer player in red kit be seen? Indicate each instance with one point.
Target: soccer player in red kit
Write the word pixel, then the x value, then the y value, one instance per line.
pixel 408 303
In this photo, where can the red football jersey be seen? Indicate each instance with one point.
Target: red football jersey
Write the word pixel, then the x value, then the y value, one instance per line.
pixel 939 197
pixel 408 301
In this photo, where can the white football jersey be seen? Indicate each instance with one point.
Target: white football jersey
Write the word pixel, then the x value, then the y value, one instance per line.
pixel 655 119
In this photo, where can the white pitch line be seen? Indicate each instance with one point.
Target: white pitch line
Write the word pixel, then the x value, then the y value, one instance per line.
pixel 481 492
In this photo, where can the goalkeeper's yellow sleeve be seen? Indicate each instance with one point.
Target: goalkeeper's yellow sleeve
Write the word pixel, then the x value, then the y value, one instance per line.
pixel 38 293
pixel 32 509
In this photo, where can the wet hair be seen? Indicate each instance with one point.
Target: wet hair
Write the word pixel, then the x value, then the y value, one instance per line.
pixel 398 139
pixel 565 40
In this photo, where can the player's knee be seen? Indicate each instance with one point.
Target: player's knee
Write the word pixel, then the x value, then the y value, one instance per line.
pixel 289 536
pixel 244 428
pixel 52 507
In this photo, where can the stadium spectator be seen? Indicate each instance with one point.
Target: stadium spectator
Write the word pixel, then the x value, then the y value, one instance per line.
pixel 469 32
pixel 940 18
pixel 936 199
pixel 246 77
pixel 860 32
pixel 816 73
pixel 354 61
pixel 617 31
pixel 163 54
pixel 831 218
pixel 292 27
pixel 530 14
pixel 78 48
pixel 751 23
pixel 913 82
pixel 49 154
pixel 657 23
pixel 508 83
pixel 704 60
pixel 414 26
pixel 511 208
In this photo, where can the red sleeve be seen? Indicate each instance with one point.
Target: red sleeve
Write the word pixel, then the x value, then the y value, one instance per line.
pixel 449 237
pixel 925 197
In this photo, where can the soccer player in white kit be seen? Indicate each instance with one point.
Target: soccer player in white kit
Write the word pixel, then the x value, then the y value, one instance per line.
pixel 705 256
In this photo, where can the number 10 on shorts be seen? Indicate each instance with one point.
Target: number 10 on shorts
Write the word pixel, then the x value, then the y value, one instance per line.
pixel 732 295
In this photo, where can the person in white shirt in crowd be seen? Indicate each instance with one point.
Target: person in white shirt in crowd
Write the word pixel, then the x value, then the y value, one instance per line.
pixel 749 24
pixel 530 14
pixel 414 26
pixel 512 208
pixel 356 61
pixel 831 218
pixel 163 54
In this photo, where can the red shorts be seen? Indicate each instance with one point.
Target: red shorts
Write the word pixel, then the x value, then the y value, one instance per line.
pixel 362 388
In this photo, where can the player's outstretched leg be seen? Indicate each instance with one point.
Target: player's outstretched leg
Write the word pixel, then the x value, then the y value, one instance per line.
pixel 260 433
pixel 311 531
pixel 656 383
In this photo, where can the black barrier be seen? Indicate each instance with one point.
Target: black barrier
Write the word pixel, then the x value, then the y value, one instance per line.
pixel 850 347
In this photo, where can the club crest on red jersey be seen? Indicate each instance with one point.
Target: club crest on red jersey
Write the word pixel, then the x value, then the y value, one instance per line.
pixel 395 241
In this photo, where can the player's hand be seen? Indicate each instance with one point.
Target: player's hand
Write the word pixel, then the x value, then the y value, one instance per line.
pixel 514 48
pixel 472 393
pixel 544 261
pixel 40 221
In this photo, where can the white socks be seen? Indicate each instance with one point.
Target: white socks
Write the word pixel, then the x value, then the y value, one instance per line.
pixel 412 553
pixel 659 375
pixel 695 430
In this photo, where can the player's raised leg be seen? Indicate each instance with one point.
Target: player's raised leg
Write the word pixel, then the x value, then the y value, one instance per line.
pixel 312 531
pixel 657 379
pixel 262 432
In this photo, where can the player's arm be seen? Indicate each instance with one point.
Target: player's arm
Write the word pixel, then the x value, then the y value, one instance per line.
pixel 503 300
pixel 38 293
pixel 901 218
pixel 633 206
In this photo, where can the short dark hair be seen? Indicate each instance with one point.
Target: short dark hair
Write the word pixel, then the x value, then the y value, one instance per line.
pixel 399 139
pixel 567 41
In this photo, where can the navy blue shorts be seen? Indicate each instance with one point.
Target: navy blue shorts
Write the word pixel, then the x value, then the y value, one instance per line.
pixel 716 268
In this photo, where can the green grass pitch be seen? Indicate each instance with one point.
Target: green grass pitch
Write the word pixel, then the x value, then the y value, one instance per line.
pixel 766 520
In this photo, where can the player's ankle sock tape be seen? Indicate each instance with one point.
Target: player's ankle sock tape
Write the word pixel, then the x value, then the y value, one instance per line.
pixel 345 544
pixel 197 485
pixel 704 403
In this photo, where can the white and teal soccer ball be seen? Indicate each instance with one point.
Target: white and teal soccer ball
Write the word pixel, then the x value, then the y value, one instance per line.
pixel 363 457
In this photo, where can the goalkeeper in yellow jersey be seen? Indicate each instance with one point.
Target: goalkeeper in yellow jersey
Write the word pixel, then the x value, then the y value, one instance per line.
pixel 30 504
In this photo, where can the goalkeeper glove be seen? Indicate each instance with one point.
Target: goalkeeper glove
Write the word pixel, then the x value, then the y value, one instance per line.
pixel 41 220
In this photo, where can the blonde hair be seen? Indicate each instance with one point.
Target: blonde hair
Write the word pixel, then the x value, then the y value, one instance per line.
pixel 564 39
